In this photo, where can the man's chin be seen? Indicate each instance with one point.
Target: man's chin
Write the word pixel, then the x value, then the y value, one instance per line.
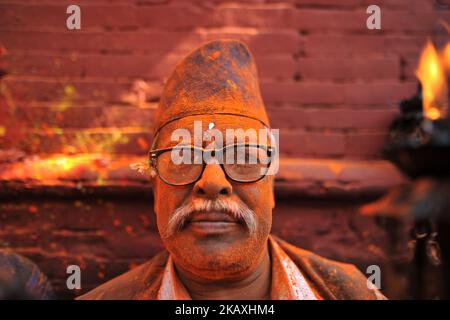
pixel 215 256
pixel 210 240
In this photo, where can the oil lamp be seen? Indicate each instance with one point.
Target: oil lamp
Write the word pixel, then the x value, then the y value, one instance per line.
pixel 419 145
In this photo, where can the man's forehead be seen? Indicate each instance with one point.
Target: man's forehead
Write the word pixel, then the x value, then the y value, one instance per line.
pixel 203 124
pixel 208 122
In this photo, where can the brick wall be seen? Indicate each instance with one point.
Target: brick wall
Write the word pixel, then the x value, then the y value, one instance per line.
pixel 330 85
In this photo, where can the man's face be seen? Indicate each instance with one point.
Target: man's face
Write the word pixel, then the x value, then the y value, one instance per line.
pixel 212 242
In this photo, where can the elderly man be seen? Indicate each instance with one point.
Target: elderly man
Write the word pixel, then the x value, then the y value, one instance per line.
pixel 213 205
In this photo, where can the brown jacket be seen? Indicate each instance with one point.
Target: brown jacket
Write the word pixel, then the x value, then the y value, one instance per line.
pixel 330 279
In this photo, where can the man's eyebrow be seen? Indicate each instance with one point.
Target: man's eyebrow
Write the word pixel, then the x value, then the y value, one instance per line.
pixel 175 145
pixel 182 145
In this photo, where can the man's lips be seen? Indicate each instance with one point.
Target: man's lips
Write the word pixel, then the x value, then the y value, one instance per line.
pixel 209 223
pixel 212 217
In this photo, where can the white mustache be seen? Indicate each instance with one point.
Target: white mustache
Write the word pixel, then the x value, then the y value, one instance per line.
pixel 239 211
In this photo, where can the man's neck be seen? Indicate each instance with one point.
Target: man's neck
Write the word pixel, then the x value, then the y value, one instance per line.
pixel 255 286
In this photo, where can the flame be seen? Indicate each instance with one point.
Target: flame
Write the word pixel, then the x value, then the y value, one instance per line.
pixel 432 75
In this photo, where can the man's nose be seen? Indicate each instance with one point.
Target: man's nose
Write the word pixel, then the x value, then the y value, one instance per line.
pixel 213 183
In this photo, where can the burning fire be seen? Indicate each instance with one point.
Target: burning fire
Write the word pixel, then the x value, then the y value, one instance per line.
pixel 432 75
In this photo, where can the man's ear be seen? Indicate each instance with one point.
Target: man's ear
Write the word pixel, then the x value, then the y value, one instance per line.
pixel 152 179
pixel 152 176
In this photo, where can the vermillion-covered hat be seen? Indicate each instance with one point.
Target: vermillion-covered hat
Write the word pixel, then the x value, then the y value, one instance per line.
pixel 217 78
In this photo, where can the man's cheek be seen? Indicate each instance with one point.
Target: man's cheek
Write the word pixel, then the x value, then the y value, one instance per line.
pixel 256 197
pixel 164 193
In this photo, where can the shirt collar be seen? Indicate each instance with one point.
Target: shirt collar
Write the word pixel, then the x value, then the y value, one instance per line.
pixel 288 283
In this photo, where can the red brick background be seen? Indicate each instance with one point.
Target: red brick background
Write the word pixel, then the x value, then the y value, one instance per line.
pixel 330 85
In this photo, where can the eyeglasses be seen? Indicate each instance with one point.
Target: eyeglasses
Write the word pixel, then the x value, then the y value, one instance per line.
pixel 184 165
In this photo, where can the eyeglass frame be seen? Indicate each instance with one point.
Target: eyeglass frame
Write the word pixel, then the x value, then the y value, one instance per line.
pixel 154 154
